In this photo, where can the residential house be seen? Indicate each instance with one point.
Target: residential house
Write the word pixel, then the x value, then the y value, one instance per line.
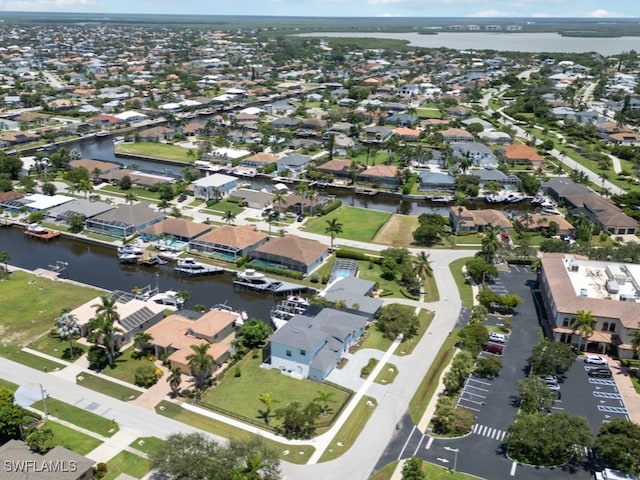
pixel 521 154
pixel 456 135
pixel 625 138
pixel 125 220
pixel 479 153
pixel 465 220
pixel 495 137
pixel 137 177
pixel 376 134
pixel 179 230
pixel 252 198
pixel 599 210
pixel 402 119
pixel 355 296
pixel 310 347
pixel 82 207
pixel 436 181
pixel 608 290
pixel 230 242
pixel 292 253
pixel 538 223
pixel 407 133
pixel 135 314
pixel 295 163
pixel 341 168
pixel 176 334
pixel 92 166
pixel 59 463
pixel 155 134
pixel 383 175
pixel 214 186
pixel 259 160
pixel 491 175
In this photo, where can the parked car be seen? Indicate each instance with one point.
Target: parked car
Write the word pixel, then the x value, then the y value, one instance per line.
pixel 554 387
pixel 300 218
pixel 290 215
pixel 599 373
pixel 595 360
pixel 497 337
pixel 493 348
pixel 182 198
pixel 549 379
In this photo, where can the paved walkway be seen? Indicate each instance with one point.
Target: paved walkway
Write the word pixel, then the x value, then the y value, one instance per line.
pixel 630 397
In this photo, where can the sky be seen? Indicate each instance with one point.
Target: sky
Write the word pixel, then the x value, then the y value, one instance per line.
pixel 342 8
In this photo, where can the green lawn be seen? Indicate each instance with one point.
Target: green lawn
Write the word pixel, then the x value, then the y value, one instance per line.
pixel 158 150
pixel 30 304
pixel 424 320
pixel 375 339
pixel 387 375
pixel 101 237
pixel 54 346
pixel 466 293
pixel 139 192
pixel 357 223
pixel 126 462
pixel 298 454
pixel 428 113
pixel 106 387
pixel 8 385
pixel 222 206
pixel 240 394
pixel 13 352
pixel 373 272
pixel 432 472
pixel 427 388
pixel 349 432
pixel 148 445
pixel 78 416
pixel 125 366
pixel 72 439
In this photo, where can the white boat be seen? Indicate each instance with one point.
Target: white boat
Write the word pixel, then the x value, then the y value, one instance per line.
pixel 513 197
pixel 128 258
pixel 440 198
pixel 170 299
pixel 497 197
pixel 190 267
pixel 251 277
pixel 35 228
pixel 131 249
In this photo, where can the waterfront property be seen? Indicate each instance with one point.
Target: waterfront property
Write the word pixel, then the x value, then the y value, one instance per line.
pixel 176 334
pixel 125 220
pixel 292 253
pixel 310 347
pixel 84 208
pixel 252 198
pixel 607 290
pixel 94 166
pixel 214 186
pixel 34 202
pixel 355 295
pixel 539 223
pixel 229 242
pixel 521 154
pixel 135 314
pixel 176 232
pixel 465 220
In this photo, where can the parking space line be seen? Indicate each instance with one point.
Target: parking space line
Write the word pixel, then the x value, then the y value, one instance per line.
pixel 473 394
pixel 606 408
pixel 429 443
pixel 513 468
pixel 407 442
pixel 613 396
pixel 514 267
pixel 478 381
pixel 415 452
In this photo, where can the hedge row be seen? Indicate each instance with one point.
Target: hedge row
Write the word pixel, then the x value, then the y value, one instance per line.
pixel 356 255
pixel 329 207
pixel 278 271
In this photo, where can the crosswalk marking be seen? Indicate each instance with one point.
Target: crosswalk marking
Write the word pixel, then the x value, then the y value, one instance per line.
pixel 606 408
pixel 489 432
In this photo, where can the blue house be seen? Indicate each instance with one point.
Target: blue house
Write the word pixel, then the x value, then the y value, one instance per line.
pixel 295 163
pixel 310 347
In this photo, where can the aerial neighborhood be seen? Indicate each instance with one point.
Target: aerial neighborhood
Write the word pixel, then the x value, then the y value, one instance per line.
pixel 377 260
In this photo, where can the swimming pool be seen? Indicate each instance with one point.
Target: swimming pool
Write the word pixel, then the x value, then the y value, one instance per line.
pixel 342 269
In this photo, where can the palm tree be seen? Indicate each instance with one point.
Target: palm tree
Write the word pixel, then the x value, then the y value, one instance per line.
pixel 4 258
pixel 229 217
pixel 583 324
pixel 142 341
pixel 130 197
pixel 490 243
pixel 67 327
pixel 422 266
pixel 103 327
pixel 268 400
pixel 251 470
pixel 201 363
pixel 635 341
pixel 175 379
pixel 333 228
pixel 323 399
pixel 279 198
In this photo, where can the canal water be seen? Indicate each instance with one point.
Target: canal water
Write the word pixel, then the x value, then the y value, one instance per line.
pixel 98 265
pixel 102 149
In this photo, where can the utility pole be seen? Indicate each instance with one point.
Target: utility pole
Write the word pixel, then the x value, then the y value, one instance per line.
pixel 44 394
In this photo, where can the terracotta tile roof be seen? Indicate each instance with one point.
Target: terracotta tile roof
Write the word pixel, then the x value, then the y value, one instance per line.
pixel 238 236
pixel 8 196
pixel 406 132
pixel 336 166
pixel 294 248
pixel 178 227
pixel 521 151
pixel 91 165
pixel 381 171
pixel 533 222
pixel 172 330
pixel 262 158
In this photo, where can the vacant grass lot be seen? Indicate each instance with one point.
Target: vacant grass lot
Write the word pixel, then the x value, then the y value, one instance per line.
pixel 140 193
pixel 397 231
pixel 106 387
pixel 222 206
pixel 298 454
pixel 13 352
pixel 157 150
pixel 126 462
pixel 72 439
pixel 349 432
pixel 357 223
pixel 30 305
pixel 78 416
pixel 240 394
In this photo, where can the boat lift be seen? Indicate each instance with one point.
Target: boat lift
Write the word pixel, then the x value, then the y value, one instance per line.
pixel 58 267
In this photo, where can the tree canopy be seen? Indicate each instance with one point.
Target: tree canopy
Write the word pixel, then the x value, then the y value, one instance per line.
pixel 618 445
pixel 551 358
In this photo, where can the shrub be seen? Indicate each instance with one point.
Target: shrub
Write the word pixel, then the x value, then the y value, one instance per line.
pixel 146 375
pixel 237 372
pixel 279 271
pixel 329 207
pixel 352 254
pixel 368 368
pixel 101 470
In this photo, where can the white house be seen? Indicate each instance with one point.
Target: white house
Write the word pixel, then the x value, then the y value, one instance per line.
pixel 214 186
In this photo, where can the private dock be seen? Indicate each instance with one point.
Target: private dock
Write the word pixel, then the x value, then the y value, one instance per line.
pixel 44 235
